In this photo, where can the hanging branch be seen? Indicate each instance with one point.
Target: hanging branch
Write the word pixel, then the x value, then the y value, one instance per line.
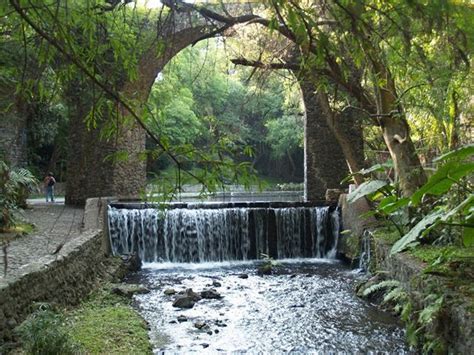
pixel 114 95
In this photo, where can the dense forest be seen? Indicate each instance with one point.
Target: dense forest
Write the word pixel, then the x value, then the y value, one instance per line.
pixel 215 89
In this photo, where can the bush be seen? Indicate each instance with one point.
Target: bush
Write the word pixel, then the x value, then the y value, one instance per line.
pixel 43 333
pixel 15 184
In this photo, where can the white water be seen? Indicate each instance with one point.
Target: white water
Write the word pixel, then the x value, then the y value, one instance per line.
pixel 199 235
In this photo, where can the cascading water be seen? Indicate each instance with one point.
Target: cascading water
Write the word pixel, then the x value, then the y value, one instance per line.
pixel 197 235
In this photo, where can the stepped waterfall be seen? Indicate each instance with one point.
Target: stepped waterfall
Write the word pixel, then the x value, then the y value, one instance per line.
pixel 207 234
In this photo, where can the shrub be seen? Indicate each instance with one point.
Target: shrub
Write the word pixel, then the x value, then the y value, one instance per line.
pixel 43 333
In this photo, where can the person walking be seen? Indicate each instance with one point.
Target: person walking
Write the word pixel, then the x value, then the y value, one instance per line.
pixel 49 182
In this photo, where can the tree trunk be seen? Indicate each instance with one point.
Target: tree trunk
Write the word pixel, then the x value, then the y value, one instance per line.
pixel 292 164
pixel 396 134
pixel 454 137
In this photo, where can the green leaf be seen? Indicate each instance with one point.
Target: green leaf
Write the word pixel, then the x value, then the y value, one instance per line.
pixel 458 154
pixel 365 189
pixel 377 167
pixel 414 234
pixel 443 179
pixel 391 203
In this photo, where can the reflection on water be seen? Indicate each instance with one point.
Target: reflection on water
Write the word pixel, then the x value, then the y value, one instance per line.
pixel 308 306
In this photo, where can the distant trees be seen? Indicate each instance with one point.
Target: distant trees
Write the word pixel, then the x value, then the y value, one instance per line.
pixel 201 100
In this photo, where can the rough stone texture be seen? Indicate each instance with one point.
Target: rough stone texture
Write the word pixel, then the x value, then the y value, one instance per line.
pixel 91 171
pixel 352 219
pixel 13 128
pixel 56 225
pixel 63 279
pixel 456 327
pixel 95 218
pixel 325 164
pixel 59 263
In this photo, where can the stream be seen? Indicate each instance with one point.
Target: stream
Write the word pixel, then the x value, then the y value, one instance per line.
pixel 304 306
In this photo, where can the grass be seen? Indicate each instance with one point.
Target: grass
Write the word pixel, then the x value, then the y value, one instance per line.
pixel 106 323
pixel 431 254
pixel 19 228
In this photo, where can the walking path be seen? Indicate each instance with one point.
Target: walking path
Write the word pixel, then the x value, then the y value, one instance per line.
pixel 56 224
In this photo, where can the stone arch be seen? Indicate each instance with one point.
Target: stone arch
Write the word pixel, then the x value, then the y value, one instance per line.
pixel 90 175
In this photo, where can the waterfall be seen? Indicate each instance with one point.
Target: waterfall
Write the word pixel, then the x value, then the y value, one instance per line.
pixel 197 235
pixel 364 260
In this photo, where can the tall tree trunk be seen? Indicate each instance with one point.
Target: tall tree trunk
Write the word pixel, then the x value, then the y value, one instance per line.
pixel 396 134
pixel 292 164
pixel 454 137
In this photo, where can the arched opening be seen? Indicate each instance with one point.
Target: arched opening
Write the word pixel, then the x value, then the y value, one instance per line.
pixel 204 103
pixel 324 163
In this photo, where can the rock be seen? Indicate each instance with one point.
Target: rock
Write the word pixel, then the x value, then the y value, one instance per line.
pixel 169 291
pixel 173 322
pixel 243 276
pixel 205 345
pixel 210 332
pixel 132 262
pixel 195 296
pixel 200 325
pixel 332 195
pixel 216 284
pixel 184 302
pixel 265 269
pixel 182 318
pixel 216 331
pixel 128 290
pixel 210 294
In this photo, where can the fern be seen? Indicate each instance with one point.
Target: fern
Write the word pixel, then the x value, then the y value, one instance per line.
pixel 390 284
pixel 396 294
pixel 431 311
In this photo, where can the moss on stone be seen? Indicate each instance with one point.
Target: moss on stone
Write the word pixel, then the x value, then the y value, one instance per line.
pixel 387 233
pixel 106 323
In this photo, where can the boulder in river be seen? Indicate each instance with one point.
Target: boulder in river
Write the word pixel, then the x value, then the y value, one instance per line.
pixel 182 318
pixel 200 325
pixel 243 276
pixel 169 291
pixel 184 302
pixel 210 294
pixel 195 296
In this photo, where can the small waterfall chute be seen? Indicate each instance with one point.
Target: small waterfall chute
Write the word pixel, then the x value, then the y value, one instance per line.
pixel 200 234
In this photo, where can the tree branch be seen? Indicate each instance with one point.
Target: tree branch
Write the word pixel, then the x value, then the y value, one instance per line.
pixel 262 65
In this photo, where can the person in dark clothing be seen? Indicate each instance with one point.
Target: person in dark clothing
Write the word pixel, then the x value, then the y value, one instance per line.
pixel 49 182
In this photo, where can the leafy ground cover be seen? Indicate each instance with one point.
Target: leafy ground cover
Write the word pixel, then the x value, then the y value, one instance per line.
pixel 105 323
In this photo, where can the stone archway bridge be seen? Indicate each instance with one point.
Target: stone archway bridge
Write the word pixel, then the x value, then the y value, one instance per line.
pixel 90 174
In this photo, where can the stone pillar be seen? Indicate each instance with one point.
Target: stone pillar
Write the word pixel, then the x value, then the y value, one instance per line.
pixel 91 171
pixel 325 165
pixel 13 130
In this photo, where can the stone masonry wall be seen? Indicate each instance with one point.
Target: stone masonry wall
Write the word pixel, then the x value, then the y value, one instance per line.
pixel 456 325
pixel 62 279
pixel 13 136
pixel 325 164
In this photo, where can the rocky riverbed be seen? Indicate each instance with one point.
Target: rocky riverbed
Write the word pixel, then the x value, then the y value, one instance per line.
pixel 302 306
